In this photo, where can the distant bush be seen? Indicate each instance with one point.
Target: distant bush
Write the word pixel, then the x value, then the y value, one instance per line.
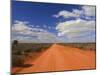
pixel 37 49
pixel 28 50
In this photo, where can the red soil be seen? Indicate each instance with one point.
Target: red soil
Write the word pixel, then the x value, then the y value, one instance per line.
pixel 59 58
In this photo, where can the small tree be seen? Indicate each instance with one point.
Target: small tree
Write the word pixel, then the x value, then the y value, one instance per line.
pixel 14 45
pixel 15 42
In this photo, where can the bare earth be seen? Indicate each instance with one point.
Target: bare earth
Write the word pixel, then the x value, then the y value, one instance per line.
pixel 59 58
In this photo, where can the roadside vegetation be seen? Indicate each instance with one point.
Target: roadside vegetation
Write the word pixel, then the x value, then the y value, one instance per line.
pixel 84 46
pixel 21 51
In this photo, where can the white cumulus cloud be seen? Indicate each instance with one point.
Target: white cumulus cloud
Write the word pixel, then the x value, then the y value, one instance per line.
pixel 77 13
pixel 66 14
pixel 76 28
pixel 21 31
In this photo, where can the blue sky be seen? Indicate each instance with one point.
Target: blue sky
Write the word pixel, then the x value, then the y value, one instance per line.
pixel 50 22
pixel 38 14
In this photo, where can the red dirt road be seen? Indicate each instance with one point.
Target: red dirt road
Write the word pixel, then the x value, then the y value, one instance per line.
pixel 59 58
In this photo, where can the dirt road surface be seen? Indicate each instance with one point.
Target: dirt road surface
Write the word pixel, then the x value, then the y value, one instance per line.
pixel 59 58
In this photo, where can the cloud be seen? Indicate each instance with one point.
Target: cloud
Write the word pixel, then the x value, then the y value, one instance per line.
pixel 21 27
pixel 85 11
pixel 81 29
pixel 76 29
pixel 21 31
pixel 89 10
pixel 66 14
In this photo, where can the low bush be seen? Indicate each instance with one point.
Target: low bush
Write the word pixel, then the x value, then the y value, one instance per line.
pixel 17 60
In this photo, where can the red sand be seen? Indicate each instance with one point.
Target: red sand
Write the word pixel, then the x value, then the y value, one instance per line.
pixel 59 58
